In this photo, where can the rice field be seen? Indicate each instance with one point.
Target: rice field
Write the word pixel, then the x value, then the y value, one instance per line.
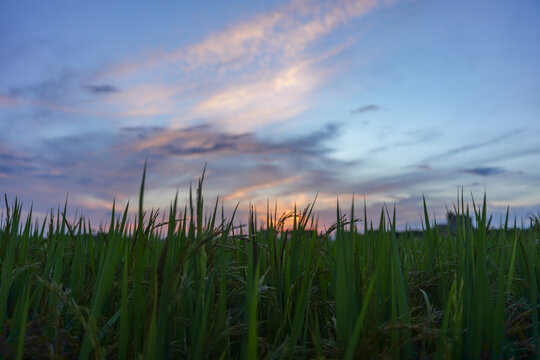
pixel 201 286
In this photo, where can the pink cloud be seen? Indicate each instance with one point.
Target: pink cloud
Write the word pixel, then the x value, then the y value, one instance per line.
pixel 251 190
pixel 255 72
pixel 92 202
pixel 8 101
pixel 265 99
pixel 143 100
pixel 284 33
pixel 16 102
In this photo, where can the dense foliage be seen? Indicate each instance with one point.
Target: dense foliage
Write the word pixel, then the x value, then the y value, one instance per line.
pixel 203 288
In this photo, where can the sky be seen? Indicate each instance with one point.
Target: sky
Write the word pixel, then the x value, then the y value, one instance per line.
pixel 377 101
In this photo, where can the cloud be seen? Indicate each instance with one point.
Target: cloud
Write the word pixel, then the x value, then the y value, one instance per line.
pixel 93 202
pixel 6 169
pixel 366 108
pixel 143 100
pixel 54 89
pixel 205 140
pixel 236 81
pixel 96 167
pixel 109 164
pixel 100 89
pixel 253 73
pixel 101 166
pixel 59 92
pixel 466 148
pixel 519 153
pixel 248 167
pixel 243 163
pixel 285 33
pixel 8 101
pixel 245 192
pixel 52 176
pixel 15 162
pixel 265 100
pixel 484 171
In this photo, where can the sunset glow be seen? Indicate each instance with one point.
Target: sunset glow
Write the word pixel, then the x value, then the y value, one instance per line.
pixel 383 101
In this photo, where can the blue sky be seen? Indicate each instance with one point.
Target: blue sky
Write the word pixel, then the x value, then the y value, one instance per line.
pixel 389 100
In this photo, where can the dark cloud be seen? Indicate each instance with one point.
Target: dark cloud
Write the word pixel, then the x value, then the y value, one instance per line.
pixel 85 180
pixel 57 88
pixel 65 151
pixel 366 108
pixel 484 171
pixel 296 163
pixel 153 129
pixel 13 157
pixel 205 140
pixel 109 165
pixel 6 169
pixel 51 176
pixel 246 166
pixel 314 142
pixel 101 89
pixel 14 162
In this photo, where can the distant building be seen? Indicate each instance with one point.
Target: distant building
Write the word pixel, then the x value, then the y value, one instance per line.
pixel 454 221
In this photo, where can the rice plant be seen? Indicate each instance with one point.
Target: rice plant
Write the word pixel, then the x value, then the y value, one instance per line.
pixel 200 286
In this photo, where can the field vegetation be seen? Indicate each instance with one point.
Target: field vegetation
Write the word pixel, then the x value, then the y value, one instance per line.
pixel 201 286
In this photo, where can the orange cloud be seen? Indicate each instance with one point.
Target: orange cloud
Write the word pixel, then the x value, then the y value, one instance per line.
pixel 287 31
pixel 164 138
pixel 247 106
pixel 251 190
pixel 260 72
pixel 92 202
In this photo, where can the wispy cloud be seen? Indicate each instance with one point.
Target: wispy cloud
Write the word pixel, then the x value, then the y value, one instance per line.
pixel 253 73
pixel 520 153
pixel 258 71
pixel 65 117
pixel 92 202
pixel 9 101
pixel 143 100
pixel 66 160
pixel 285 32
pixel 205 140
pixel 466 148
pixel 279 96
pixel 259 160
pixel 175 159
pixel 13 162
pixel 241 167
pixel 484 171
pixel 242 193
pixel 366 108
pixel 57 87
pixel 101 89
